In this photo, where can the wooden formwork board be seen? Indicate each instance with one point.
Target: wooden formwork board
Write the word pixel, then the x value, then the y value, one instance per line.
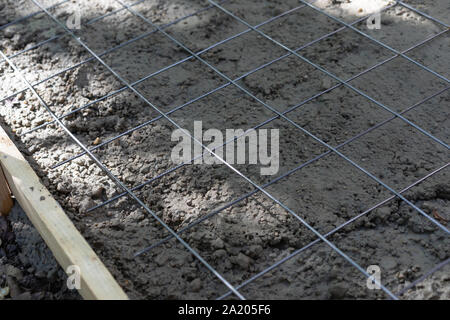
pixel 67 244
pixel 6 202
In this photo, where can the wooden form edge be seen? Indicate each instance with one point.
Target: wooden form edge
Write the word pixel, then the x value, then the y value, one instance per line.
pixel 59 233
pixel 6 202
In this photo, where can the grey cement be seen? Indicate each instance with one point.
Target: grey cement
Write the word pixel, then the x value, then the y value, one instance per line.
pixel 252 235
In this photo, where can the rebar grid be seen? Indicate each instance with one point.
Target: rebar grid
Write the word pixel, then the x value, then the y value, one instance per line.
pixel 284 117
pixel 124 44
pixel 28 16
pixel 204 148
pixel 56 37
pixel 220 87
pixel 321 237
pixel 127 132
pixel 114 178
pixel 289 120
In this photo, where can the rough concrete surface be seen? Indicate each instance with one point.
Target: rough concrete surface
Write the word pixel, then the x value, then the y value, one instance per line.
pixel 253 234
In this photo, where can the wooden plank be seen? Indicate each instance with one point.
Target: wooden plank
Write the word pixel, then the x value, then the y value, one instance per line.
pixel 6 202
pixel 67 244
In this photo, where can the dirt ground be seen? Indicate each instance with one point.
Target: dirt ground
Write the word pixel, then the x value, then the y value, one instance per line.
pixel 253 234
